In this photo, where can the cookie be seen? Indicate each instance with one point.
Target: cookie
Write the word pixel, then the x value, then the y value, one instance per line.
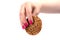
pixel 34 28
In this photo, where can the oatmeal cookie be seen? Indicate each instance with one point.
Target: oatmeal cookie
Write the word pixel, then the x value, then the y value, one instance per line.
pixel 34 28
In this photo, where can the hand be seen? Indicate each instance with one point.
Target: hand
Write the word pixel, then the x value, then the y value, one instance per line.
pixel 28 10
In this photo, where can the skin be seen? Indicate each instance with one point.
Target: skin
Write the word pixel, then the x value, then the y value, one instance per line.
pixel 30 9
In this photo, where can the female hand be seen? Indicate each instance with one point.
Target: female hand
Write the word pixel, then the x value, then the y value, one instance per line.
pixel 28 10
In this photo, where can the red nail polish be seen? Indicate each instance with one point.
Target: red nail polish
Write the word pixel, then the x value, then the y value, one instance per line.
pixel 26 24
pixel 30 21
pixel 23 27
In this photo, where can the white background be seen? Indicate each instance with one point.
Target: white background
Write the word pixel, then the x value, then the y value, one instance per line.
pixel 10 28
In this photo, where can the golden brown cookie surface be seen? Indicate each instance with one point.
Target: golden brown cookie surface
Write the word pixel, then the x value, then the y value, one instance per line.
pixel 34 28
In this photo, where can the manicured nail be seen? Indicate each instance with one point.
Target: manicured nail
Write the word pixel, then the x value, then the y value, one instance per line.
pixel 30 21
pixel 26 24
pixel 23 27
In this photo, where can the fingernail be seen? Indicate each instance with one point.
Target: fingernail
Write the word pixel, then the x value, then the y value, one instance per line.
pixel 30 21
pixel 23 27
pixel 26 24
